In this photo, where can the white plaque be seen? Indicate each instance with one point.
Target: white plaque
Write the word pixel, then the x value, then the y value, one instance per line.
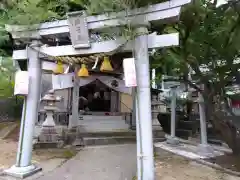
pixel 129 72
pixel 21 83
pixel 78 29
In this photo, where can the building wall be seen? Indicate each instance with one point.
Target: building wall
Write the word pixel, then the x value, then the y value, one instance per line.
pixel 126 102
pixel 64 93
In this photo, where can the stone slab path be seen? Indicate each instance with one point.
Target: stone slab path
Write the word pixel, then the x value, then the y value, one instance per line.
pixel 116 162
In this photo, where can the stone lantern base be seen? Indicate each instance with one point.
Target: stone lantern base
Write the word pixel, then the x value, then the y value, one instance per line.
pixel 50 137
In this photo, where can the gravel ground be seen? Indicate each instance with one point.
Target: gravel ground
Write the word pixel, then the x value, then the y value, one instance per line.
pixel 173 167
pixel 8 152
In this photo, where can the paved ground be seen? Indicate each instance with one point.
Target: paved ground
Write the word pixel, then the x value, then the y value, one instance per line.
pixel 103 163
pixel 118 162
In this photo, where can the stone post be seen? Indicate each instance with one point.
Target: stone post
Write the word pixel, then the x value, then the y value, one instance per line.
pixel 204 148
pixel 75 101
pixel 172 139
pixel 203 123
pixel 24 166
pixel 144 118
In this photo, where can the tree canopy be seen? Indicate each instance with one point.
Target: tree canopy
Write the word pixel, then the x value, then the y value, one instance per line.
pixel 209 48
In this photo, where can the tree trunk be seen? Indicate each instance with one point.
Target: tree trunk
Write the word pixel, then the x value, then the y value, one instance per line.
pixel 223 125
pixel 229 132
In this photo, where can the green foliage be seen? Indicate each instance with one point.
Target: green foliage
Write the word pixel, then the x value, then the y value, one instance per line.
pixel 69 153
pixel 209 38
pixel 5 43
pixel 28 12
pixel 94 7
pixel 6 77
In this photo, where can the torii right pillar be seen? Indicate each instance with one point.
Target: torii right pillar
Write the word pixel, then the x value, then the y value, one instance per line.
pixel 144 114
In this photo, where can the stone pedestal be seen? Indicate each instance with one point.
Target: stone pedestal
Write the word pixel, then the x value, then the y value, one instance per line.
pixel 22 172
pixel 205 150
pixel 49 138
pixel 172 141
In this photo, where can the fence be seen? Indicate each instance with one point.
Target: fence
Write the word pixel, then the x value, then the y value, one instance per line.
pixel 10 109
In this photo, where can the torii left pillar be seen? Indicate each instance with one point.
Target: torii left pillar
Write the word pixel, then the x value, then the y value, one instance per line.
pixel 24 166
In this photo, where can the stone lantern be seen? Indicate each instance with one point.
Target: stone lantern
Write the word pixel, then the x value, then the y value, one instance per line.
pixel 49 133
pixel 50 108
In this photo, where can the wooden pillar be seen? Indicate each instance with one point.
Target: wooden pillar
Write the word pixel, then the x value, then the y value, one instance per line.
pixel 114 101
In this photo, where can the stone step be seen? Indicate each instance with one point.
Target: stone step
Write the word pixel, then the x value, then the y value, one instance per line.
pixel 103 128
pixel 87 141
pixel 102 120
pixel 47 145
pixel 157 133
pixel 107 137
pixel 99 118
pixel 103 125
pixel 113 123
pixel 93 141
pixel 108 134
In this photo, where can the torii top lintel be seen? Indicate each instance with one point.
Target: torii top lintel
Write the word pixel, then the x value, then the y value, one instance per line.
pixel 166 11
pixel 169 10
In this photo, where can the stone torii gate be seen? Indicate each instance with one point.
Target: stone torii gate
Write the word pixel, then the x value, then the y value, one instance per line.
pixel 140 19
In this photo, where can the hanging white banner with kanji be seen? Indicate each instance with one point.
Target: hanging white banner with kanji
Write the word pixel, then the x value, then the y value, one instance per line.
pixel 62 81
pixel 129 72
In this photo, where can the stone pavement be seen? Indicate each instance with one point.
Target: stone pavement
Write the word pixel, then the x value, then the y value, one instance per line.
pixel 116 162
